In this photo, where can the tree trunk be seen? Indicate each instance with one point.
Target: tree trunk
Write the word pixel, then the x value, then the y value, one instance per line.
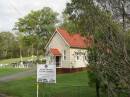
pixel 32 53
pixel 21 58
pixel 97 88
pixel 6 53
pixel 28 53
pixel 37 54
pixel 123 18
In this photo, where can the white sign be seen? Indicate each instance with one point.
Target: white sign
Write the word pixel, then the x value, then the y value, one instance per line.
pixel 46 73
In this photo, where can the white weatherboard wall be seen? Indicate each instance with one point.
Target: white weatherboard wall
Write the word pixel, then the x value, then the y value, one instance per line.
pixel 59 43
pixel 81 62
pixel 71 53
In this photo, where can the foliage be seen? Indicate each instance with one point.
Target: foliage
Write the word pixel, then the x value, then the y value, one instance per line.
pixel 32 33
pixel 41 22
pixel 8 45
pixel 109 60
pixel 69 24
pixel 119 9
pixel 88 17
pixel 109 56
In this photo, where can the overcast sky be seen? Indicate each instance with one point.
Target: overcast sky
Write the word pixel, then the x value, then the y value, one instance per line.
pixel 11 10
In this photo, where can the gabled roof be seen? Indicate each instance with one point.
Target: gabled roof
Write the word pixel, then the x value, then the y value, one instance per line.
pixel 76 40
pixel 55 52
pixel 73 40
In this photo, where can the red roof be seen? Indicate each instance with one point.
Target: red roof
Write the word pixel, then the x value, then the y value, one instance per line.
pixel 55 52
pixel 76 40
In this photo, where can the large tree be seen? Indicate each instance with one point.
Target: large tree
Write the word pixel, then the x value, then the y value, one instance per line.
pixel 69 24
pixel 110 64
pixel 37 25
pixel 88 17
pixel 120 10
pixel 108 56
pixel 41 23
pixel 8 45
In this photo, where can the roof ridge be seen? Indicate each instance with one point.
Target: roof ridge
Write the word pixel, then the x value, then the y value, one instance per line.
pixel 74 40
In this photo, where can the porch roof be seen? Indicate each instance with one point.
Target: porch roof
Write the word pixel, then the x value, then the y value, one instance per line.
pixel 55 52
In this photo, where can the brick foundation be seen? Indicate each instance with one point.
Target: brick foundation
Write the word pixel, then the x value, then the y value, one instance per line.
pixel 70 70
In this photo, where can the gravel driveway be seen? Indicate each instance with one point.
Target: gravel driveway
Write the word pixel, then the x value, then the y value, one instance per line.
pixel 3 95
pixel 18 75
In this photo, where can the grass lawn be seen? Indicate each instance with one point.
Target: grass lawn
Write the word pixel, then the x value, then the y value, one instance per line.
pixel 68 85
pixel 8 71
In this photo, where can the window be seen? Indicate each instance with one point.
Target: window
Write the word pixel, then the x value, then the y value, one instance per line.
pixel 86 58
pixel 77 57
pixel 64 55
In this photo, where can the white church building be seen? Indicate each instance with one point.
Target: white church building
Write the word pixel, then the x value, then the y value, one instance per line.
pixel 67 50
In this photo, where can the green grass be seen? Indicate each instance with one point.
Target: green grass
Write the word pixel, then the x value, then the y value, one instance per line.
pixel 9 71
pixel 68 85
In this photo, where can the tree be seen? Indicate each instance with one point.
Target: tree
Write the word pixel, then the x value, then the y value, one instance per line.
pixel 7 43
pixel 28 44
pixel 87 16
pixel 68 24
pixel 31 43
pixel 108 58
pixel 119 9
pixel 90 20
pixel 35 28
pixel 41 23
pixel 20 45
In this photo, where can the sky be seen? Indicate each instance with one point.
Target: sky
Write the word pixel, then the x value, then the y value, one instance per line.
pixel 12 10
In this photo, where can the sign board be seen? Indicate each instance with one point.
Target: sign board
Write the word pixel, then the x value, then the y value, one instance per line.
pixel 46 73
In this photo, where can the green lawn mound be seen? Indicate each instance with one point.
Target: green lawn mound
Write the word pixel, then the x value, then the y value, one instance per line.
pixel 68 85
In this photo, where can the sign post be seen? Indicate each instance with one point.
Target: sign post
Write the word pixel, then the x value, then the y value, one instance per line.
pixel 45 74
pixel 37 89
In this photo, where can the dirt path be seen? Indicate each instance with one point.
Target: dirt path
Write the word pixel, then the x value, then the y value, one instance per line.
pixel 19 75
